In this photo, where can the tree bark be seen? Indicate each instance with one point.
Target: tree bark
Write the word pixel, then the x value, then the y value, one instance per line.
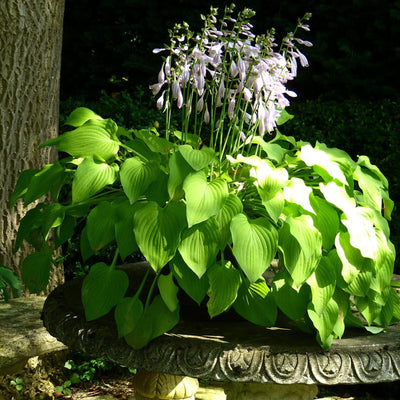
pixel 30 62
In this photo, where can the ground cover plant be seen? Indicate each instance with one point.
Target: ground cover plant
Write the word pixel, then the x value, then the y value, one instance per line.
pixel 210 204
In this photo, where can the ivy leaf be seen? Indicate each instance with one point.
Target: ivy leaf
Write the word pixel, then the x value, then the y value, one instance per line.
pixel 195 287
pixel 93 138
pixel 224 284
pixel 199 246
pixel 255 244
pixel 80 115
pixel 127 314
pixel 203 199
pixel 102 289
pixel 101 225
pixel 90 177
pixel 300 243
pixel 197 159
pixel 158 230
pixel 136 176
pixel 255 303
pixel 168 291
pixel 35 270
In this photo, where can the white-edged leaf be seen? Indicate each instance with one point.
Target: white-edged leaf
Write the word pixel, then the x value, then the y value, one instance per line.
pixel 199 246
pixel 255 243
pixel 158 230
pixel 91 177
pixel 297 192
pixel 203 199
pixel 338 196
pixel 102 289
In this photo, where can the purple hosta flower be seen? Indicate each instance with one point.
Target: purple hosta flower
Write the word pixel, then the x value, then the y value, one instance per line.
pixel 206 115
pixel 231 107
pixel 200 104
pixel 177 93
pixel 302 57
pixel 160 100
pixel 156 87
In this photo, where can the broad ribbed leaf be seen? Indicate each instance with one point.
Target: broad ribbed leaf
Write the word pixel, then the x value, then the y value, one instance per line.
pixel 168 291
pixel 274 203
pixel 93 138
pixel 101 225
pixel 325 322
pixel 153 141
pixel 179 169
pixel 326 220
pixel 197 159
pixel 224 284
pixel 300 243
pixel 269 178
pixel 255 243
pixel 338 196
pixel 322 283
pixel 80 115
pixel 91 177
pixel 195 287
pixel 203 199
pixel 102 289
pixel 127 314
pixel 293 302
pixel 364 161
pixel 297 192
pixel 199 246
pixel 35 270
pixel 158 230
pixel 136 176
pixel 188 138
pixel 22 185
pixel 255 303
pixel 274 151
pixel 231 207
pixel 359 223
pixel 371 187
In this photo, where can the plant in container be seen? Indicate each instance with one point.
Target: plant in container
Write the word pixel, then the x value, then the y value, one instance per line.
pixel 212 204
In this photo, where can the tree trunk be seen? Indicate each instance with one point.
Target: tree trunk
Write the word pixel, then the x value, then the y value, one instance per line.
pixel 30 62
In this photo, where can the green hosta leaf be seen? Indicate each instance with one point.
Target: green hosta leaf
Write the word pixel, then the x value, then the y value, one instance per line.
pixel 43 181
pixel 369 309
pixel 53 216
pixel 91 177
pixel 141 150
pixel 136 176
pixel 22 185
pixel 325 322
pixel 274 203
pixel 351 258
pixel 231 207
pixel 293 302
pixel 322 283
pixel 31 222
pixel 330 164
pixel 158 189
pixel 35 270
pixel 153 141
pixel 93 138
pixel 300 242
pixel 359 223
pixel 64 231
pixel 274 151
pixel 194 286
pixel 371 187
pixel 197 159
pixel 101 225
pixel 364 161
pixel 268 178
pixel 179 169
pixel 297 192
pixel 338 196
pixel 124 235
pixel 224 284
pixel 86 250
pixel 102 289
pixel 80 115
pixel 127 314
pixel 188 138
pixel 326 220
pixel 199 246
pixel 9 279
pixel 203 199
pixel 255 243
pixel 158 230
pixel 255 303
pixel 168 291
pixel 155 321
pixel 284 117
pixel 360 285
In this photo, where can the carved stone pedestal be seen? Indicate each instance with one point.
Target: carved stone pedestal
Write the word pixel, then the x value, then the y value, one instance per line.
pixel 235 354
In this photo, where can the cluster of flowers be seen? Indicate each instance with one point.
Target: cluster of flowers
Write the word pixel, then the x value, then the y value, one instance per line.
pixel 229 71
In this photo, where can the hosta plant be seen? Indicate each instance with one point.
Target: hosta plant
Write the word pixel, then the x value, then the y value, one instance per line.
pixel 210 205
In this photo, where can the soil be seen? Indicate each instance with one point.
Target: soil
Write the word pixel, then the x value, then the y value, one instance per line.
pixel 41 376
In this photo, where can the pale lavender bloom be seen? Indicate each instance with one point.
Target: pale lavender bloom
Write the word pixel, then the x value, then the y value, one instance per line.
pixel 206 115
pixel 158 50
pixel 160 100
pixel 177 93
pixel 234 69
pixel 231 108
pixel 302 57
pixel 200 104
pixel 161 75
pixel 156 87
pixel 303 42
pixel 167 67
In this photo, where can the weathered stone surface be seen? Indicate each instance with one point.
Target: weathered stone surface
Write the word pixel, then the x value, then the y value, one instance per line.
pixel 230 351
pixel 22 334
